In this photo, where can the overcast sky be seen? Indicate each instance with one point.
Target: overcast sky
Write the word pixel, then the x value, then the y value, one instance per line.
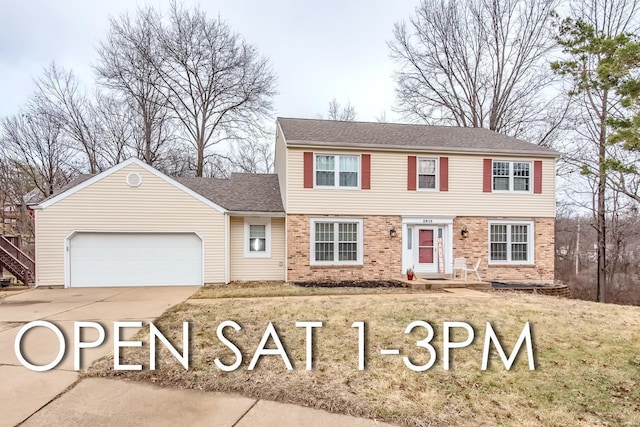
pixel 319 50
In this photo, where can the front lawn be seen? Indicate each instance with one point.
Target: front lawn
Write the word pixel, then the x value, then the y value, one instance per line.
pixel 279 289
pixel 587 359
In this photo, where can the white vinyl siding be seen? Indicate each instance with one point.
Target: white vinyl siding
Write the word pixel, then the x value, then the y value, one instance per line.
pixel 389 194
pixel 110 205
pixel 336 241
pixel 280 165
pixel 243 268
pixel 511 242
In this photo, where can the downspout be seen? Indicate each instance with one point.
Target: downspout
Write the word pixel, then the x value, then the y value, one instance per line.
pixel 227 224
pixel 286 248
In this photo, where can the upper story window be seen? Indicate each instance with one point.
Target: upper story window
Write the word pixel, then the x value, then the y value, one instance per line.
pixel 336 171
pixel 427 174
pixel 511 176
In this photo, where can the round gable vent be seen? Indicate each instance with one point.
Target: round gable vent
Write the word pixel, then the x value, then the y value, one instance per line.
pixel 134 179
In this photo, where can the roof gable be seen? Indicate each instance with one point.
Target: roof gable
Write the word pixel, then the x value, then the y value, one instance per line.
pixel 83 182
pixel 394 136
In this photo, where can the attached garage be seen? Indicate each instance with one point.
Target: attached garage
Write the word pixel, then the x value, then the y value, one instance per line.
pixel 132 225
pixel 134 259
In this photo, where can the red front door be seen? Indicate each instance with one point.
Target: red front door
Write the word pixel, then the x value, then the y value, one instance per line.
pixel 426 246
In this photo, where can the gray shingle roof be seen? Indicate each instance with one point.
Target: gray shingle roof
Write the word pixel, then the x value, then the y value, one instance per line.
pixel 242 192
pixel 333 133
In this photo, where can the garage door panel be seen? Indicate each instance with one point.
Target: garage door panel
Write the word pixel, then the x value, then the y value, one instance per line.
pixel 135 259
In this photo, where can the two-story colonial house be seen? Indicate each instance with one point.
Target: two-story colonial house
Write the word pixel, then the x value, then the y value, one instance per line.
pixel 369 200
pixel 348 200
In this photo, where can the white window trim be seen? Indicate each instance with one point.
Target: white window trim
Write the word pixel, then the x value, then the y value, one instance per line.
pixel 531 244
pixel 337 172
pixel 511 186
pixel 257 221
pixel 360 241
pixel 437 186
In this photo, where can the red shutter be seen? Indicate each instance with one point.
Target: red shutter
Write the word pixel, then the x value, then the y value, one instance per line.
pixel 365 182
pixel 537 176
pixel 486 175
pixel 308 169
pixel 411 175
pixel 444 174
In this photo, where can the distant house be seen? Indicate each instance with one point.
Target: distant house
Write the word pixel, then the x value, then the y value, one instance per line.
pixel 349 200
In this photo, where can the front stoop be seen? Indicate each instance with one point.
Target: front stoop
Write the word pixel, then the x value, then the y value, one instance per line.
pixel 430 284
pixel 416 285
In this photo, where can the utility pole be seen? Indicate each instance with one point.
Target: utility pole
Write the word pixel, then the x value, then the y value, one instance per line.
pixel 578 248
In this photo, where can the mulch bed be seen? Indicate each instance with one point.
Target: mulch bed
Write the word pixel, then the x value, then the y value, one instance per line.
pixel 352 284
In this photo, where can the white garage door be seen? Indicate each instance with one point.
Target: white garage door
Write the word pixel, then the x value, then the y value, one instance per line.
pixel 135 259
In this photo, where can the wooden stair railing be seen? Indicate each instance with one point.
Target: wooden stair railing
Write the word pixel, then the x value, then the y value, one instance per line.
pixel 17 262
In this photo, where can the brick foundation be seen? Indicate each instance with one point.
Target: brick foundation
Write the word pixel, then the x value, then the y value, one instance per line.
pixel 476 245
pixel 382 253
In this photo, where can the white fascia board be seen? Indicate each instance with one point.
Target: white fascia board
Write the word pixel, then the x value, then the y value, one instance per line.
pixel 257 214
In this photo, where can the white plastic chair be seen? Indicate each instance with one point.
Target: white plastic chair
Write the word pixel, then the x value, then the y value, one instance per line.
pixel 474 269
pixel 460 264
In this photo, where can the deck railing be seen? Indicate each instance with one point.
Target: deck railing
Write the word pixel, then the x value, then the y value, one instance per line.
pixel 15 252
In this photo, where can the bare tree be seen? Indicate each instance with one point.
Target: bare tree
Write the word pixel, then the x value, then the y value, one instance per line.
pixel 116 126
pixel 216 84
pixel 34 145
pixel 382 118
pixel 478 63
pixel 588 42
pixel 124 67
pixel 252 156
pixel 58 91
pixel 338 112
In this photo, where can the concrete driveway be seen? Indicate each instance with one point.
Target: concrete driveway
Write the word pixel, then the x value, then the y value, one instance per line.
pixel 23 392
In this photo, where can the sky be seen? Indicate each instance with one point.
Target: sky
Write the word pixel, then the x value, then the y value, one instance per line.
pixel 319 50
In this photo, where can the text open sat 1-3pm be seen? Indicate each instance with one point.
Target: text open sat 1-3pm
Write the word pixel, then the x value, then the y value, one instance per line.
pixel 270 332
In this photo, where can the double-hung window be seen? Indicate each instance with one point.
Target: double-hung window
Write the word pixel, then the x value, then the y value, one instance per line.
pixel 427 174
pixel 511 176
pixel 257 237
pixel 337 171
pixel 336 241
pixel 510 242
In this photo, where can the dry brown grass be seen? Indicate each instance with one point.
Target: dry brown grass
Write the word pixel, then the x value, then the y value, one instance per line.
pixel 279 289
pixel 588 359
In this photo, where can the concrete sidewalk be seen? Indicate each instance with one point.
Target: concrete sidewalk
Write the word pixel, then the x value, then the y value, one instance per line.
pixel 103 402
pixel 23 392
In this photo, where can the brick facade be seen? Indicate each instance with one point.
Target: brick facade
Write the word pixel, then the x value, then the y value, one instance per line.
pixel 383 254
pixel 476 246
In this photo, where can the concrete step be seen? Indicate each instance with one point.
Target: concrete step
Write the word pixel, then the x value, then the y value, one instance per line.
pixel 426 283
pixel 467 285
